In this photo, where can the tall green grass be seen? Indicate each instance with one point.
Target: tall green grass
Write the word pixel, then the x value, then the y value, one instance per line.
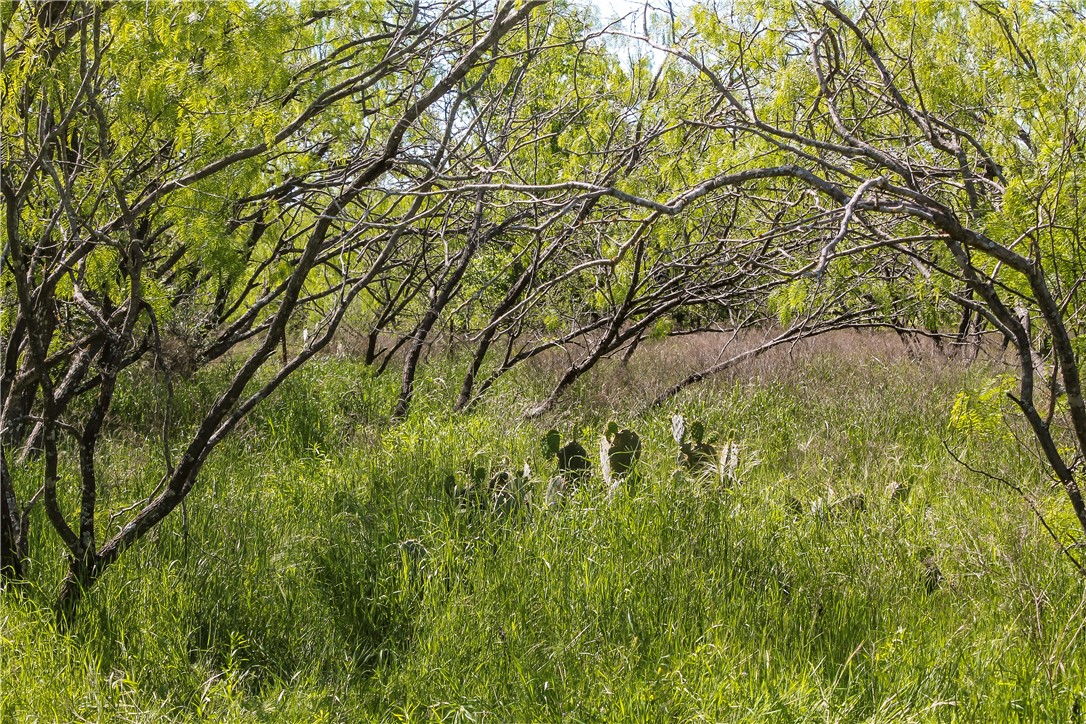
pixel 323 573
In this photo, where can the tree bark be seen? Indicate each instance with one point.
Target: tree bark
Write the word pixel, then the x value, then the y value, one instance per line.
pixel 12 536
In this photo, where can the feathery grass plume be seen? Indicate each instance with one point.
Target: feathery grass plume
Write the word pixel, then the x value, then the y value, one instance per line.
pixel 898 492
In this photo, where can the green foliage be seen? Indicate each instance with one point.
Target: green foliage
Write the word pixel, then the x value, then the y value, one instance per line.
pixel 980 413
pixel 662 328
pixel 790 300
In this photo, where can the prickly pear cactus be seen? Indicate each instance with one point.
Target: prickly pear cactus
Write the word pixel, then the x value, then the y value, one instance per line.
pixel 605 452
pixel 573 461
pixel 471 490
pixel 551 442
pixel 728 467
pixel 701 456
pixel 524 486
pixel 572 458
pixel 678 429
pixel 697 432
pixel 620 448
pixel 508 492
pixel 696 455
pixel 610 430
pixel 503 498
pixel 558 489
pixel 449 484
pixel 625 452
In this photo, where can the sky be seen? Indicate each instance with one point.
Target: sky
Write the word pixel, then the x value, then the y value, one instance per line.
pixel 609 10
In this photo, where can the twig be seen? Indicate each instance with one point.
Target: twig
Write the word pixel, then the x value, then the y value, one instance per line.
pixel 1029 501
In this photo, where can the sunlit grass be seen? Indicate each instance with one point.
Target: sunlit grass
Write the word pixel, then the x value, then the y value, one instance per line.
pixel 322 572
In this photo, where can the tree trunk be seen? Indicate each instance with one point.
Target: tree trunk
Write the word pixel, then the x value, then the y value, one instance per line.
pixel 466 388
pixel 442 295
pixel 81 576
pixel 410 365
pixel 11 533
pixel 371 346
pixel 572 375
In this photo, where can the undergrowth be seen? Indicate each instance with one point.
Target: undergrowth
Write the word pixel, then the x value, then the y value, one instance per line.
pixel 322 572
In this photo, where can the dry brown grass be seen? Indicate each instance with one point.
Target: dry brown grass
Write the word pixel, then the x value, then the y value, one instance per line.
pixel 659 364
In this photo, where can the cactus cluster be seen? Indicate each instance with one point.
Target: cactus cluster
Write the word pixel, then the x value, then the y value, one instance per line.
pixel 700 455
pixel 695 453
pixel 502 492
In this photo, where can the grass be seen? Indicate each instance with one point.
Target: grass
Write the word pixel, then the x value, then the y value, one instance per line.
pixel 322 572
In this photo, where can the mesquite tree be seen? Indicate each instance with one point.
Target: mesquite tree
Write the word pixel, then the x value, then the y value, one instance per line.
pixel 249 165
pixel 943 141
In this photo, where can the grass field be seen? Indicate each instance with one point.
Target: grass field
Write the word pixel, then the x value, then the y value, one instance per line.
pixel 322 573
